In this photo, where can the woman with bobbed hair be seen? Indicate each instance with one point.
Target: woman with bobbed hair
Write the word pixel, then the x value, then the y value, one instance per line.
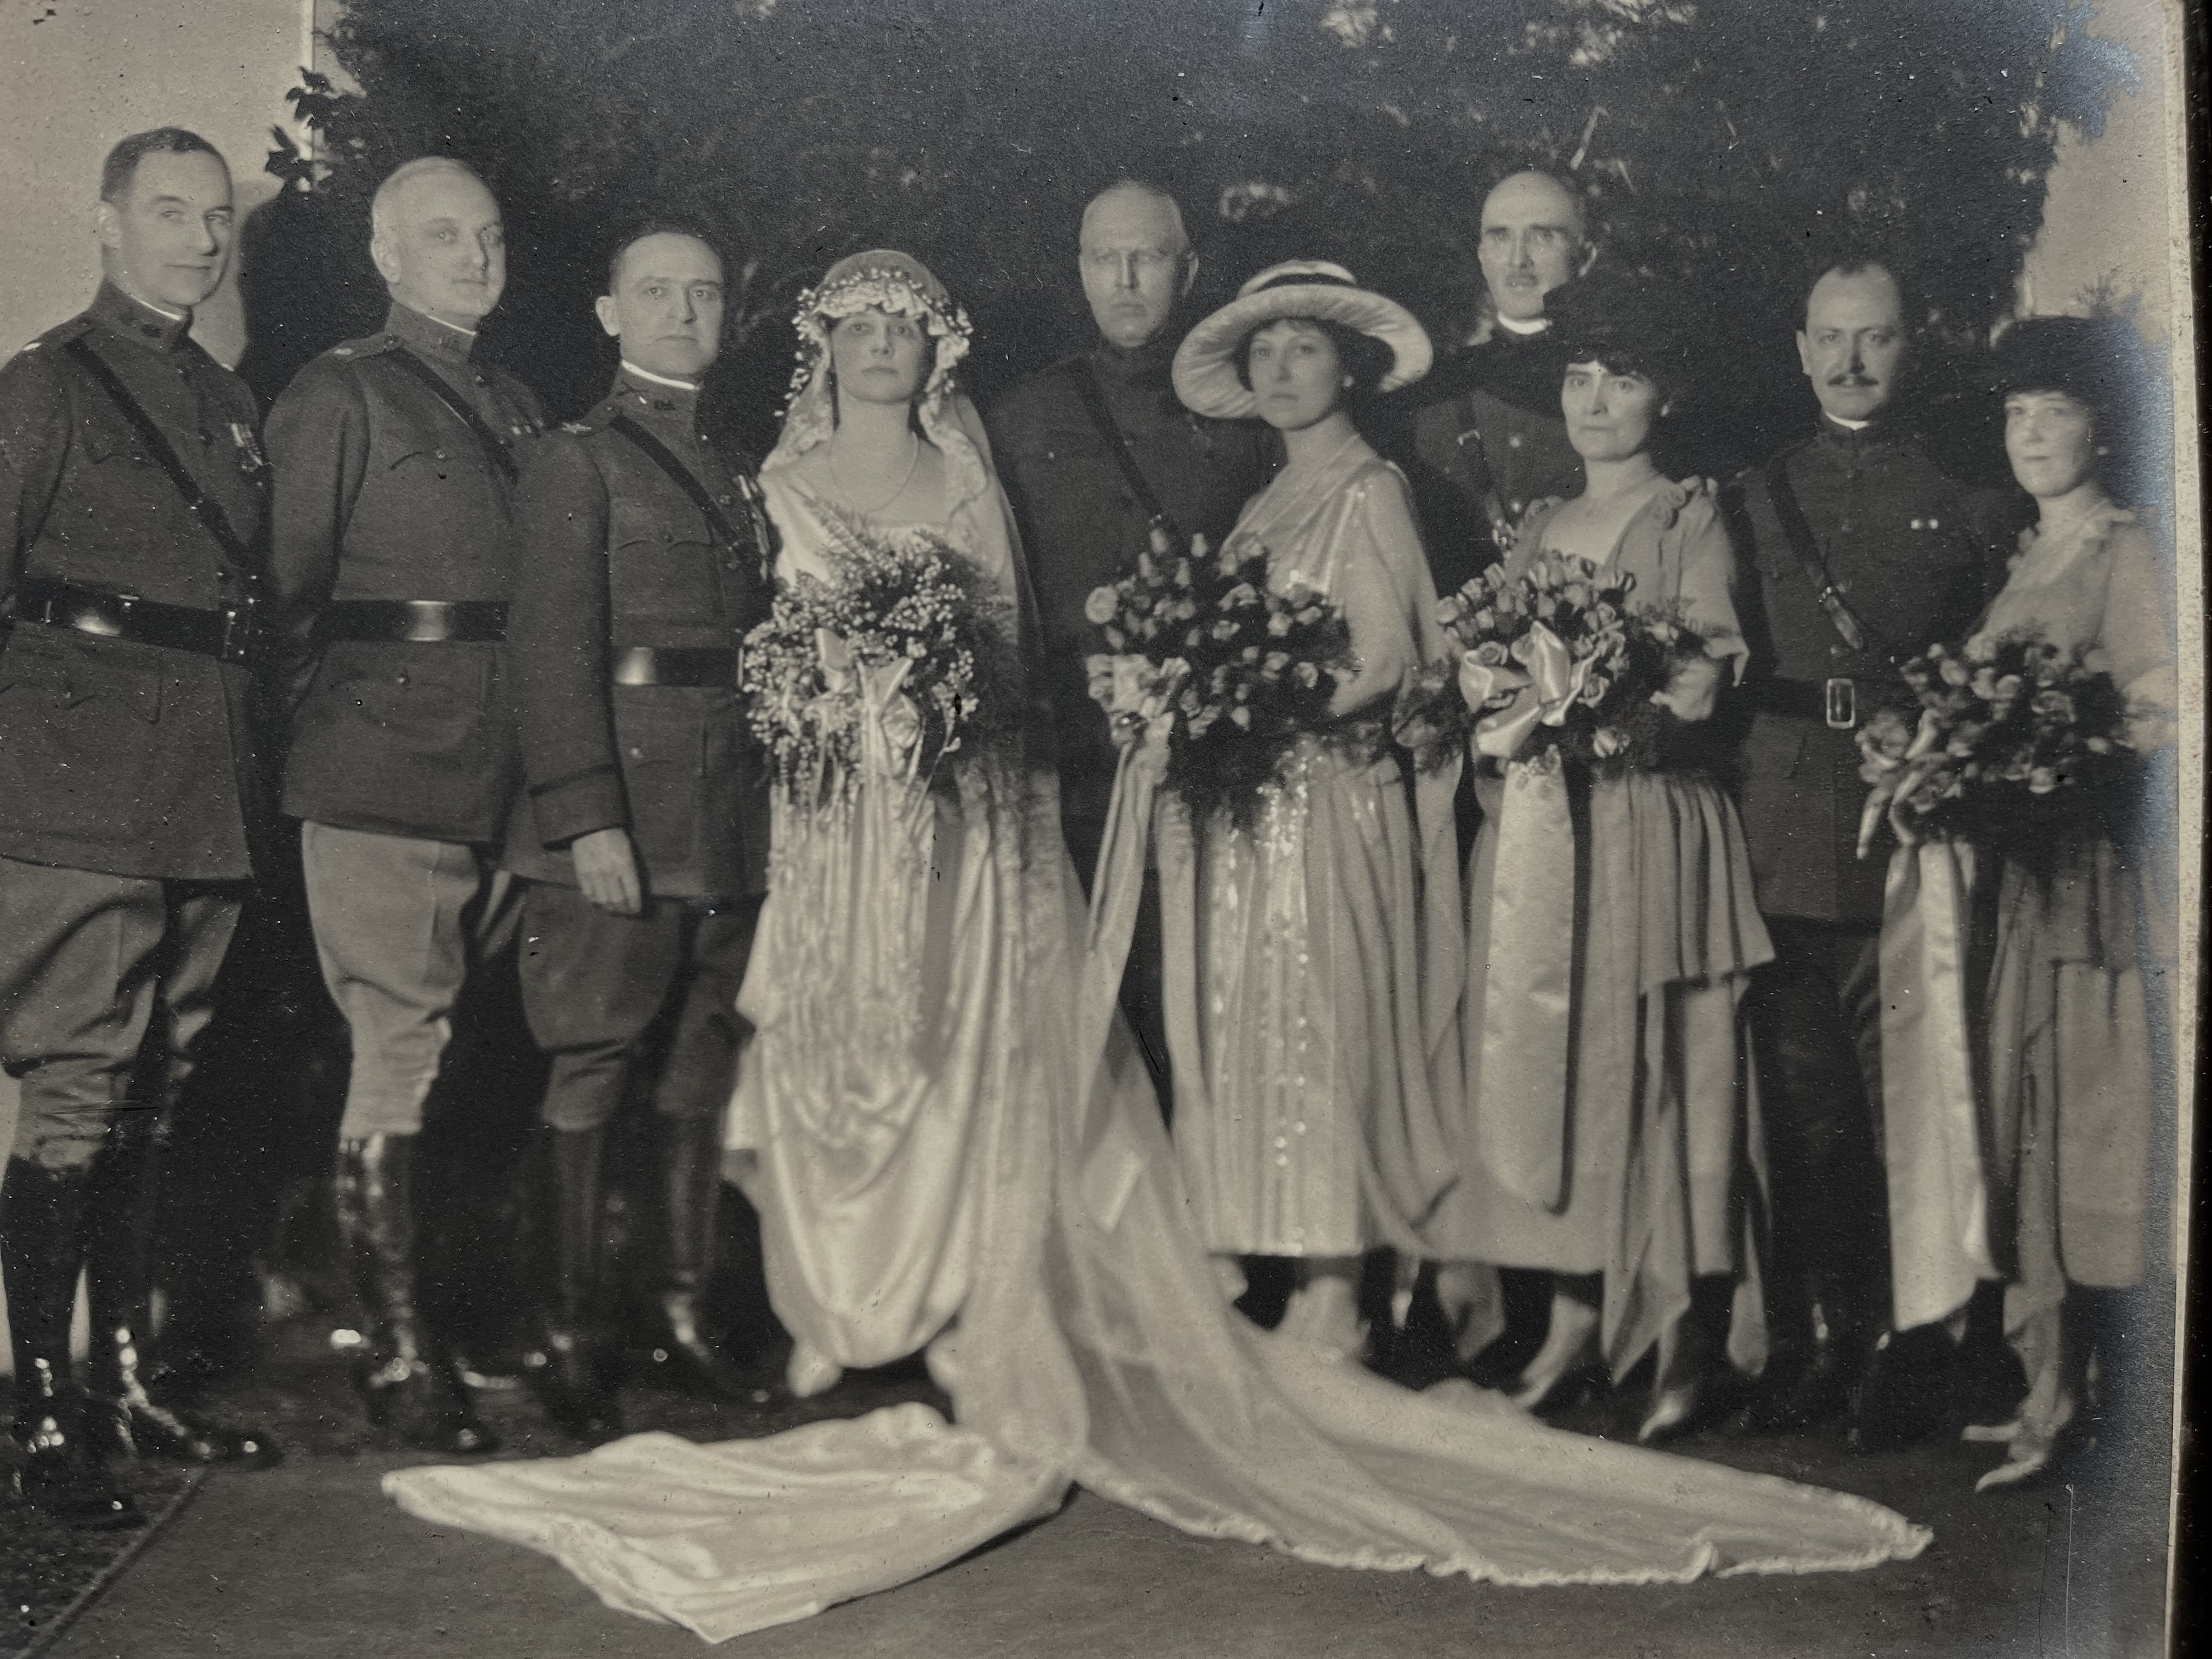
pixel 1311 1127
pixel 1611 1134
pixel 2071 1089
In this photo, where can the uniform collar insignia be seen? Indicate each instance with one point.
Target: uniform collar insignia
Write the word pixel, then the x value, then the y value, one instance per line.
pixel 136 321
pixel 655 395
pixel 429 336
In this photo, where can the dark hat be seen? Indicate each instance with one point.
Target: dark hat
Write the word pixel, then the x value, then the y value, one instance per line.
pixel 2094 360
pixel 1631 323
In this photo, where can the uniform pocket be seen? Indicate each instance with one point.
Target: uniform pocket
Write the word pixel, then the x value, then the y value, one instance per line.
pixel 660 563
pixel 661 735
pixel 77 739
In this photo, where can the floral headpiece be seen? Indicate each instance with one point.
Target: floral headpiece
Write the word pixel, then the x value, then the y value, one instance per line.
pixel 888 282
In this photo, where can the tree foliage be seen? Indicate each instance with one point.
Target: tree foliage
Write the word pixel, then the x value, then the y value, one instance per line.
pixel 1715 141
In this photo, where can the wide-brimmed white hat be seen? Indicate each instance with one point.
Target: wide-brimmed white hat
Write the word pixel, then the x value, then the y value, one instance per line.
pixel 1204 371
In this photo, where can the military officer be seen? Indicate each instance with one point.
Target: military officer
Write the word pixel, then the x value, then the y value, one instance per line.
pixel 1857 552
pixel 1093 451
pixel 395 458
pixel 1495 442
pixel 644 837
pixel 132 503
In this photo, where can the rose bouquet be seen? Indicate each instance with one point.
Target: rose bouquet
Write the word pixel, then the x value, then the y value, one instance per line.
pixel 2019 745
pixel 1559 662
pixel 1242 673
pixel 903 622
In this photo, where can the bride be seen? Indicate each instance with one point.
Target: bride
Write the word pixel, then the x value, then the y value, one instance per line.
pixel 953 1145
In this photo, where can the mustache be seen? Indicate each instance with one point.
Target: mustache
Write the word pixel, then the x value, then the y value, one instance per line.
pixel 1851 379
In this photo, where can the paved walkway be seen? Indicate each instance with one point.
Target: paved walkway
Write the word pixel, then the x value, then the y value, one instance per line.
pixel 311 1562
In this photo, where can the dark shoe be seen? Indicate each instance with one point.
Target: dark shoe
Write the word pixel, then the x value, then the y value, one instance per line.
pixel 569 1369
pixel 1816 1390
pixel 1910 1393
pixel 62 1470
pixel 403 1378
pixel 132 1409
pixel 684 1354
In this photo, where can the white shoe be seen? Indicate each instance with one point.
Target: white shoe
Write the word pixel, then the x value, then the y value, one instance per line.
pixel 811 1372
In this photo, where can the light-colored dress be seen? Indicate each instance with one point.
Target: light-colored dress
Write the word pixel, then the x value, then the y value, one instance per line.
pixel 2072 1097
pixel 1308 1072
pixel 1092 1343
pixel 1655 1152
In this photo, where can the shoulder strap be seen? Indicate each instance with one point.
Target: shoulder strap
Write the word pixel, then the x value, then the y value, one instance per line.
pixel 1117 446
pixel 1799 534
pixel 681 475
pixel 211 517
pixel 496 447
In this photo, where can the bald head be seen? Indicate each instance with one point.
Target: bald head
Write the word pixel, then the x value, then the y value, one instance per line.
pixel 1532 240
pixel 1136 261
pixel 438 241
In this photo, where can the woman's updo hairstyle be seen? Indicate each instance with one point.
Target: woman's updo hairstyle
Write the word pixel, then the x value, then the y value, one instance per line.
pixel 2098 361
pixel 1361 357
pixel 1627 324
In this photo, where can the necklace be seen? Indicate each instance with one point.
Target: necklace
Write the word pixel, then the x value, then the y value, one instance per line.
pixel 912 460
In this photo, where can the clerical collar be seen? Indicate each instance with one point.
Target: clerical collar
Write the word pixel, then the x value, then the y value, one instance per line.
pixel 1848 426
pixel 1526 327
pixel 426 333
pixel 139 319
pixel 646 374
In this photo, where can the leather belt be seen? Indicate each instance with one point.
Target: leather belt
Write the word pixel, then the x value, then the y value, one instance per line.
pixel 677 665
pixel 232 634
pixel 416 621
pixel 1834 702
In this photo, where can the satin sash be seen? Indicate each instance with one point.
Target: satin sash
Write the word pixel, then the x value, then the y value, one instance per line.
pixel 1528 1010
pixel 1938 1201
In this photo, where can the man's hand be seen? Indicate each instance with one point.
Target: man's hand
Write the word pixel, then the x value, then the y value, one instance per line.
pixel 607 870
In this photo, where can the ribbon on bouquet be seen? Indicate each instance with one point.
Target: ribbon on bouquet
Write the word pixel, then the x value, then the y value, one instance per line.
pixel 1529 999
pixel 1931 1131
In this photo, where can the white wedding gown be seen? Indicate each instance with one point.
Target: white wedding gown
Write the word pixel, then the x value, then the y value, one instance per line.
pixel 975 1141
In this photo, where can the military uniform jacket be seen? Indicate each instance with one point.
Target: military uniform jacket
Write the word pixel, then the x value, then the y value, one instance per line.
pixel 1915 555
pixel 125 758
pixel 384 493
pixel 1493 445
pixel 1083 526
pixel 616 554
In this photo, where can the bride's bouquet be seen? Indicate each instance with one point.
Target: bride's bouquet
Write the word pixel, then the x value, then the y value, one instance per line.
pixel 906 631
pixel 2017 744
pixel 1240 673
pixel 1557 664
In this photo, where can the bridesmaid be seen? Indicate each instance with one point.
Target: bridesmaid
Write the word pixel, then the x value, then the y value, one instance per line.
pixel 2072 1090
pixel 1623 1155
pixel 1312 1127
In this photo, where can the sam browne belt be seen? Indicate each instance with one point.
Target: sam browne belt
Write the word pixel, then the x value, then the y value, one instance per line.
pixel 680 664
pixel 234 633
pixel 1833 702
pixel 416 621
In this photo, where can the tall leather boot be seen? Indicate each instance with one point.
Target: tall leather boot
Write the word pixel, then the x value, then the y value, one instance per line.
pixel 570 1375
pixel 135 1409
pixel 63 1471
pixel 403 1378
pixel 691 1172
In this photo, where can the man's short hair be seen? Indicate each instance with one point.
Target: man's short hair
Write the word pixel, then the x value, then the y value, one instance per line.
pixel 380 205
pixel 1850 258
pixel 1537 170
pixel 1150 191
pixel 659 225
pixel 121 166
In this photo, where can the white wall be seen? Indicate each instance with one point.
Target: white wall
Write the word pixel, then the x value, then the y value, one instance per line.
pixel 78 75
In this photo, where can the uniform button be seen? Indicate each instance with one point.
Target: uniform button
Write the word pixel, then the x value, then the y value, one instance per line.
pixel 1513 443
pixel 724 499
pixel 731 564
pixel 635 753
pixel 399 679
pixel 206 436
pixel 1844 527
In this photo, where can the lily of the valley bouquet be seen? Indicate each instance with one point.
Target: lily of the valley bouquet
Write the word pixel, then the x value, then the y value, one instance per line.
pixel 1557 664
pixel 1238 673
pixel 2016 744
pixel 904 632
